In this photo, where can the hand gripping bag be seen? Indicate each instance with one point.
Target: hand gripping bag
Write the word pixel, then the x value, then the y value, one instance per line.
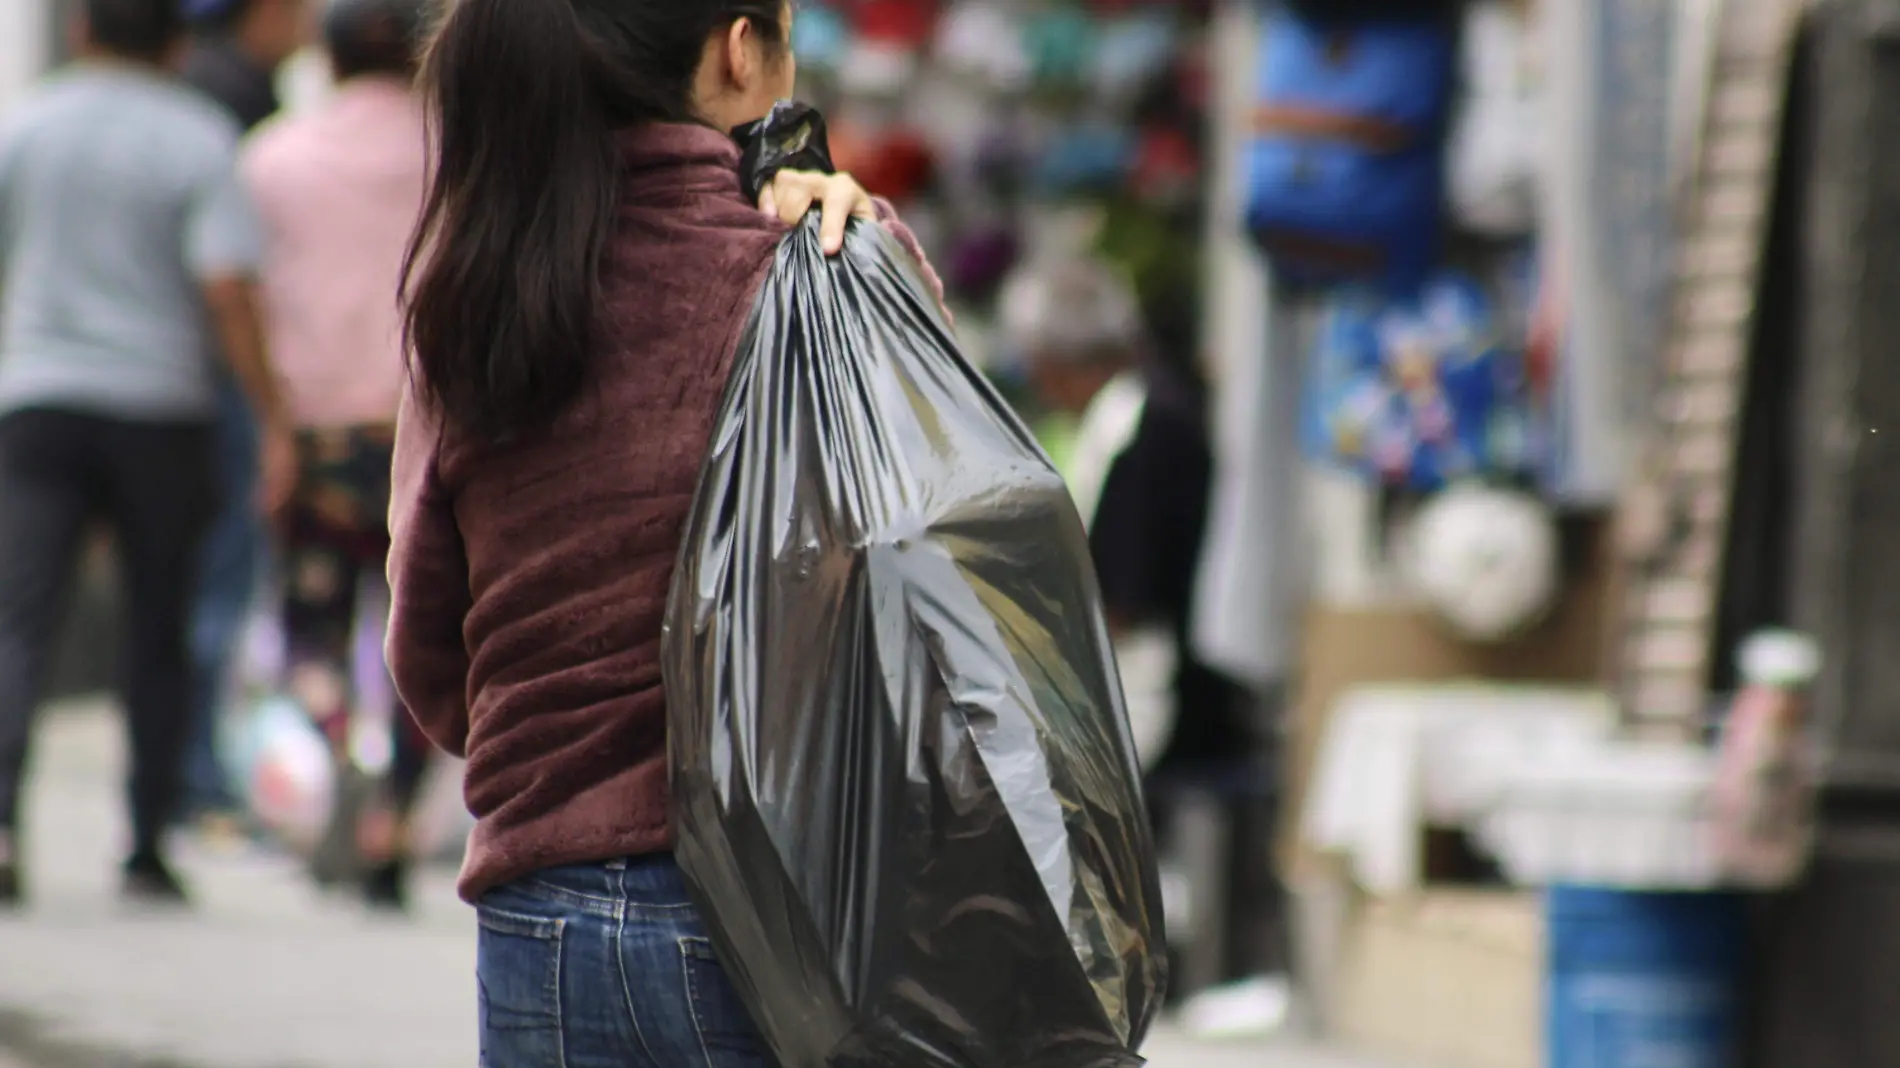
pixel 904 789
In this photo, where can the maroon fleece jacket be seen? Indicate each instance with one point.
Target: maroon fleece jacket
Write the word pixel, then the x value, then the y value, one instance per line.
pixel 529 582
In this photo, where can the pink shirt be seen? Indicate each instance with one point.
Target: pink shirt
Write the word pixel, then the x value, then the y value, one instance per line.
pixel 339 190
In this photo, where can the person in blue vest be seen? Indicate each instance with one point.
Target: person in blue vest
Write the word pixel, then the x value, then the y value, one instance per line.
pixel 235 51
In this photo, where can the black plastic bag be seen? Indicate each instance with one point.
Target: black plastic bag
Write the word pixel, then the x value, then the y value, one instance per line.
pixel 904 789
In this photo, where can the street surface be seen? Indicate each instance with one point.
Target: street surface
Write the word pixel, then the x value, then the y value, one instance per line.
pixel 267 973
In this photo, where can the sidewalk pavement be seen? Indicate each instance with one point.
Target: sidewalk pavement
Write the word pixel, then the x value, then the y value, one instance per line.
pixel 267 973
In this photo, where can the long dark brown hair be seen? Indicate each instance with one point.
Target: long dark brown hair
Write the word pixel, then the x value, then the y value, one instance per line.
pixel 502 280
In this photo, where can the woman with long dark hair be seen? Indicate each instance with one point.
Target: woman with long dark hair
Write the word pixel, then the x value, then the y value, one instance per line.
pixel 585 265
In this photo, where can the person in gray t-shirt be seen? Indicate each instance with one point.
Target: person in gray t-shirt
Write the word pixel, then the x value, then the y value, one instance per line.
pixel 127 255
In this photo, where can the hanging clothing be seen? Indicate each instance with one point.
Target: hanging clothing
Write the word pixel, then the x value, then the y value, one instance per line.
pixel 1249 588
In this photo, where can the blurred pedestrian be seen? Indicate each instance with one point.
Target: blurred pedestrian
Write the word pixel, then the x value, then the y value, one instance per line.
pixel 587 263
pixel 339 190
pixel 237 47
pixel 129 249
pixel 1141 468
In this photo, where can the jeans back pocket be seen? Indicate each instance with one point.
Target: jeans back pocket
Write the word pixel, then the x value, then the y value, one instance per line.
pixel 518 975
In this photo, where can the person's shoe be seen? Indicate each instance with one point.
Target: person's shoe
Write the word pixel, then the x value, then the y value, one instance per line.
pixel 386 887
pixel 150 881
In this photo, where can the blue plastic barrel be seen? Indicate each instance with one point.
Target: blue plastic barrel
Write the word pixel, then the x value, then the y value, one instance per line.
pixel 1643 980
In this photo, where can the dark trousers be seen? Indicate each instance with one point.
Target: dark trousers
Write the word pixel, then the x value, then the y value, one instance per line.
pixel 234 547
pixel 337 536
pixel 153 484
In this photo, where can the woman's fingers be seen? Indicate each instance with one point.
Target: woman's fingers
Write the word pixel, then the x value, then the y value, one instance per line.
pixel 793 193
pixel 841 202
pixel 790 195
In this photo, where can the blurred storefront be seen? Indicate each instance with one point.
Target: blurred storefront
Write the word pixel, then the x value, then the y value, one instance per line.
pixel 1551 736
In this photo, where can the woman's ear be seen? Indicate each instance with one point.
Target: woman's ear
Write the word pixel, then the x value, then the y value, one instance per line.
pixel 742 55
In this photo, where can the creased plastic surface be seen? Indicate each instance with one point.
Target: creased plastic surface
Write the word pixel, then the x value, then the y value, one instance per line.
pixel 905 791
pixel 793 137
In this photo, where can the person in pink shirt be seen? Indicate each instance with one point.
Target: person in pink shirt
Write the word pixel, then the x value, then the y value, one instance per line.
pixel 339 190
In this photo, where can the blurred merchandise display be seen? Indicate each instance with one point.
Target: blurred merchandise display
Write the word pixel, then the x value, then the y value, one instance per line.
pixel 1010 132
pixel 1499 137
pixel 1421 392
pixel 1392 171
pixel 1346 172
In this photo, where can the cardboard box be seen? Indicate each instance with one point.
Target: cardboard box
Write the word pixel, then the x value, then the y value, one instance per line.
pixel 1347 647
pixel 1449 978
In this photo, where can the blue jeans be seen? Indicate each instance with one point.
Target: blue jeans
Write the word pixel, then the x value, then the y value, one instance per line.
pixel 606 966
pixel 229 560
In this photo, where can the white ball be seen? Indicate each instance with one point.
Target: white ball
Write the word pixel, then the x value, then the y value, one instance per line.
pixel 1484 559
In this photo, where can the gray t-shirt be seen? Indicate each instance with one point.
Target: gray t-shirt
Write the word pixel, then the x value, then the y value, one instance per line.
pixel 119 194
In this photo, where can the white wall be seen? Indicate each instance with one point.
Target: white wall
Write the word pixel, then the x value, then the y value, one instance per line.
pixel 25 34
pixel 1237 279
pixel 1250 581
